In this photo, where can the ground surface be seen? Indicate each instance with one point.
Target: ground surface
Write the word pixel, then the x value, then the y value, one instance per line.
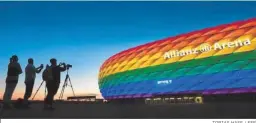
pixel 68 110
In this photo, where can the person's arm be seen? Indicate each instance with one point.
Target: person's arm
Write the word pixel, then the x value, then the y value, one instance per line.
pixel 39 69
pixel 63 68
pixel 27 69
pixel 19 69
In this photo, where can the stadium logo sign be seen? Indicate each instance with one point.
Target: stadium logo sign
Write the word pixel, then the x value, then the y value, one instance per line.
pixel 164 82
pixel 206 48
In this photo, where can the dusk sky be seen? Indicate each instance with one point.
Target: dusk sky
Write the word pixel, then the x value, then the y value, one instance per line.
pixel 85 34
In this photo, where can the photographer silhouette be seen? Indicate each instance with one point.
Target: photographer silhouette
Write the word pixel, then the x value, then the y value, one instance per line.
pixel 30 78
pixel 53 82
pixel 14 70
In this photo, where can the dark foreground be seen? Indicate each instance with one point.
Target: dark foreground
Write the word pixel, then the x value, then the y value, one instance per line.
pixel 72 110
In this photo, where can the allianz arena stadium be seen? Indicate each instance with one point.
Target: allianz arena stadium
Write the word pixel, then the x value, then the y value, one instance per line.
pixel 213 63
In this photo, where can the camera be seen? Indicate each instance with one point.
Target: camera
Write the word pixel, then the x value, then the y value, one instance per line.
pixel 69 66
pixel 61 63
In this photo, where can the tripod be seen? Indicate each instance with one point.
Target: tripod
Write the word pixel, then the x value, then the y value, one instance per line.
pixel 65 84
pixel 39 89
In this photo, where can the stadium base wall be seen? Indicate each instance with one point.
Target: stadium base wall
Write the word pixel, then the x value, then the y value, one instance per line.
pixel 189 99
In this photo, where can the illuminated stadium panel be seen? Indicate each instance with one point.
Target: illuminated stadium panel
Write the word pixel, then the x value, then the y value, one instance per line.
pixel 215 60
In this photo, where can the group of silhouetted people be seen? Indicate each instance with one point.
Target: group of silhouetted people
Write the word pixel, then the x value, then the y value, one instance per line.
pixel 51 75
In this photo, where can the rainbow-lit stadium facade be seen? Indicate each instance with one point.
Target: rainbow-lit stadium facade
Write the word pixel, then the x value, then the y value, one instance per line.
pixel 216 60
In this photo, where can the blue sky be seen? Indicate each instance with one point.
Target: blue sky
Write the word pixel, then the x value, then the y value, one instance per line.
pixel 85 34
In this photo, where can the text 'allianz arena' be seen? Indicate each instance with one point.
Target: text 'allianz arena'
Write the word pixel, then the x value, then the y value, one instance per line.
pixel 217 60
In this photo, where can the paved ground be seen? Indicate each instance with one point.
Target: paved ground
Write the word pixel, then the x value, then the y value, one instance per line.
pixel 66 110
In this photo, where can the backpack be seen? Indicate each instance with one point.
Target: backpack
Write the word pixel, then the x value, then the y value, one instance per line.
pixel 12 70
pixel 47 75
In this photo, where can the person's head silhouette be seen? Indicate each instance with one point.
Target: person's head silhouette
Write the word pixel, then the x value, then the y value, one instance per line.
pixel 53 62
pixel 15 58
pixel 11 60
pixel 30 61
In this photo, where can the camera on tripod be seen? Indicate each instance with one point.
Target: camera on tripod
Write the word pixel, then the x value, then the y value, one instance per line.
pixel 68 65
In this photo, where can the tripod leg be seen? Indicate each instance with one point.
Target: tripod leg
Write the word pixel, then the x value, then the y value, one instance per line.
pixel 62 91
pixel 63 87
pixel 45 91
pixel 38 90
pixel 71 86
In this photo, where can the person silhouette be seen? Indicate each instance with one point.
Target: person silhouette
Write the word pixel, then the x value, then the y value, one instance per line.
pixel 13 72
pixel 53 82
pixel 30 77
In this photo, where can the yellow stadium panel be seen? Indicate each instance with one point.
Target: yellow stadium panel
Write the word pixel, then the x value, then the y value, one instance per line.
pixel 135 66
pixel 111 70
pixel 111 63
pixel 108 68
pixel 224 46
pixel 116 65
pixel 171 60
pixel 147 63
pixel 250 47
pixel 133 61
pixel 120 68
pixel 189 53
pixel 106 73
pixel 116 70
pixel 103 75
pixel 159 61
pixel 140 64
pixel 246 37
pixel 188 57
pixel 123 63
pixel 126 67
pixel 205 54
pixel 156 56
pixel 146 57
pixel 105 70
